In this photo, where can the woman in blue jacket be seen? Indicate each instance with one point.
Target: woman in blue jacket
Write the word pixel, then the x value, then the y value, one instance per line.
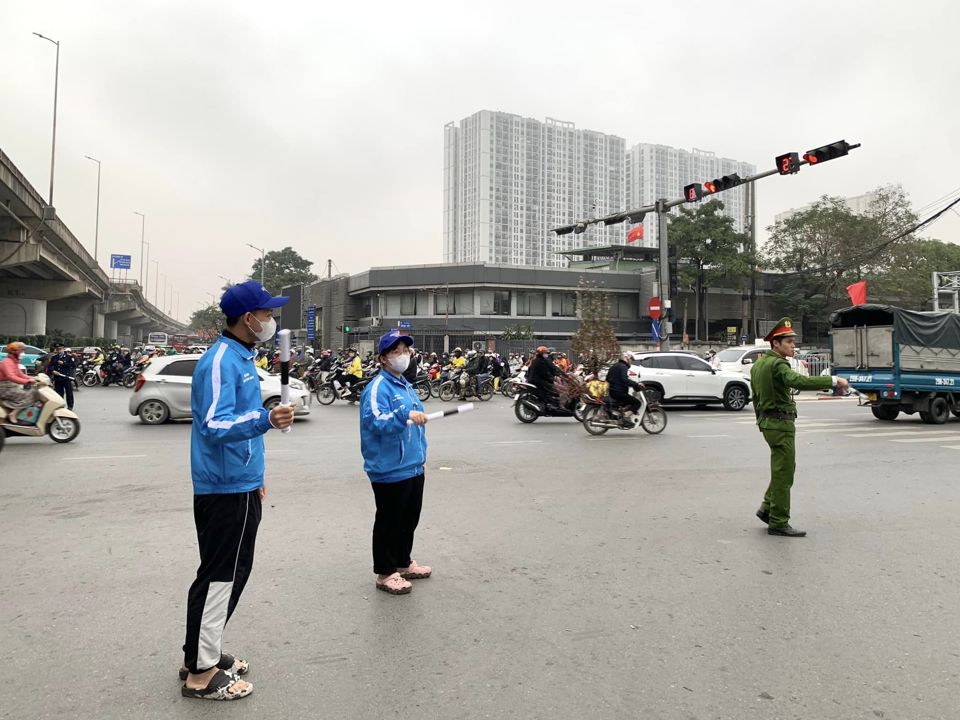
pixel 394 447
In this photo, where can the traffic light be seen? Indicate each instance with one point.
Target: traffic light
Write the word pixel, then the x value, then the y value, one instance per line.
pixel 346 328
pixel 692 192
pixel 788 163
pixel 567 229
pixel 719 184
pixel 828 152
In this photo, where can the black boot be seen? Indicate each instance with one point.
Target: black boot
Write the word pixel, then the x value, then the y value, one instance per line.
pixel 764 516
pixel 786 531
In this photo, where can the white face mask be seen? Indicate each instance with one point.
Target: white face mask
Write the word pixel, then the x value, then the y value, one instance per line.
pixel 268 328
pixel 399 364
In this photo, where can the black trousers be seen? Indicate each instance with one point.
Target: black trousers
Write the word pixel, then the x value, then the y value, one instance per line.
pixel 64 386
pixel 626 400
pixel 227 532
pixel 398 514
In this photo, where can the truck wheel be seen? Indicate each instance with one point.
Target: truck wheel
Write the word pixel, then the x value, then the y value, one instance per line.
pixel 938 413
pixel 885 412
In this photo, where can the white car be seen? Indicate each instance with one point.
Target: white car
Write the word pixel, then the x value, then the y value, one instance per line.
pixel 741 359
pixel 162 391
pixel 683 379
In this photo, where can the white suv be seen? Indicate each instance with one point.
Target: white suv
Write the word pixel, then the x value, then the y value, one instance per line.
pixel 683 379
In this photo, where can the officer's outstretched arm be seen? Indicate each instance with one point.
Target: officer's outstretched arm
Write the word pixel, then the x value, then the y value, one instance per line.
pixel 789 377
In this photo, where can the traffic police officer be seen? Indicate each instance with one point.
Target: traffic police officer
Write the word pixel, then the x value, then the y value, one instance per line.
pixel 63 366
pixel 772 377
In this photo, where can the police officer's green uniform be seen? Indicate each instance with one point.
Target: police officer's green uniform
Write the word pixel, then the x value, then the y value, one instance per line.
pixel 772 377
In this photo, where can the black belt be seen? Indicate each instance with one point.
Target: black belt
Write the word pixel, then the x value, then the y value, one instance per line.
pixel 779 415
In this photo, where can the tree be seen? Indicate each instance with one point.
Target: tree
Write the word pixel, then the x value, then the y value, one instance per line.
pixel 594 342
pixel 208 322
pixel 826 247
pixel 709 251
pixel 908 281
pixel 282 268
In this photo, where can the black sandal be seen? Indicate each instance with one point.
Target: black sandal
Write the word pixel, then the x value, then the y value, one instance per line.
pixel 226 663
pixel 218 688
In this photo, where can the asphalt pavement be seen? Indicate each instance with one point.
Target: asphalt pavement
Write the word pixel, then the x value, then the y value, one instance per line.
pixel 622 576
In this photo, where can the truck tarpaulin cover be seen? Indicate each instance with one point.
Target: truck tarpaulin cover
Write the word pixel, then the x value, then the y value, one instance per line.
pixel 924 329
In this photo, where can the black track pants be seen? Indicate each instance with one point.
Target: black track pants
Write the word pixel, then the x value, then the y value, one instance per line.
pixel 226 531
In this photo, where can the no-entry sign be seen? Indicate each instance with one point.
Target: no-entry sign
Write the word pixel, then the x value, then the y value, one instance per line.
pixel 654 308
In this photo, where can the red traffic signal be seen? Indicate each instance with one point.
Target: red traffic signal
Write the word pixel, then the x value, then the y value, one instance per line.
pixel 719 184
pixel 788 163
pixel 828 152
pixel 692 192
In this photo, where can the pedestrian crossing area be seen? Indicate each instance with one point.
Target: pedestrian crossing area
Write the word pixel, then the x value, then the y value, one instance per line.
pixel 905 432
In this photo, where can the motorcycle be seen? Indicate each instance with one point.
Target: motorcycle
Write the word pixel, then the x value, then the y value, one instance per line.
pixel 48 417
pixel 529 407
pixel 93 375
pixel 604 414
pixel 480 386
pixel 331 389
pixel 422 387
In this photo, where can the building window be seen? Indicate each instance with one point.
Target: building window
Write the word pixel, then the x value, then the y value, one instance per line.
pixel 564 304
pixel 626 307
pixel 408 303
pixel 494 302
pixel 532 303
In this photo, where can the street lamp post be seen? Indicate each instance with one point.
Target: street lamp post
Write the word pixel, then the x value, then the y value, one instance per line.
pixel 263 254
pixel 56 83
pixel 96 229
pixel 143 244
pixel 156 280
pixel 164 304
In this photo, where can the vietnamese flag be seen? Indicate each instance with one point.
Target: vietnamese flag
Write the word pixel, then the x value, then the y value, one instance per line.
pixel 858 292
pixel 635 234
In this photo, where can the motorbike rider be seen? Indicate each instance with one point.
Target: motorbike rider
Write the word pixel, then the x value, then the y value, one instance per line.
pixel 62 367
pixel 541 375
pixel 413 368
pixel 263 362
pixel 619 382
pixel 470 372
pixel 458 361
pixel 16 387
pixel 352 371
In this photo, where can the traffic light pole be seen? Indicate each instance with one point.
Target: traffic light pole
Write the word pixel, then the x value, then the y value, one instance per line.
pixel 666 322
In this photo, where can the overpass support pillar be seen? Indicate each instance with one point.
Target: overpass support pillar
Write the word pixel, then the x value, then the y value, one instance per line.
pixel 22 316
pixel 110 329
pixel 77 315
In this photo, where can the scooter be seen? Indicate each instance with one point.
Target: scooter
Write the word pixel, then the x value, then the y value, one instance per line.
pixel 528 407
pixel 603 414
pixel 50 418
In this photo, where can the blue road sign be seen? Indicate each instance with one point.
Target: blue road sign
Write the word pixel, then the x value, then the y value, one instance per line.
pixel 311 322
pixel 404 324
pixel 120 262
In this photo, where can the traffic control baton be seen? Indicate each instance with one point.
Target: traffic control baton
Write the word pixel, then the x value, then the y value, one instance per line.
pixel 285 370
pixel 443 413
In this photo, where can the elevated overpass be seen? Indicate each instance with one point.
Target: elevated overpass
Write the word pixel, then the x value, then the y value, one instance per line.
pixel 50 284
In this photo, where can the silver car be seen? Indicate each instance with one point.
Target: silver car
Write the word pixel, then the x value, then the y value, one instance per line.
pixel 162 391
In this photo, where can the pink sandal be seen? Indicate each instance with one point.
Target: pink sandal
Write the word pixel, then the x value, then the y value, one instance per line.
pixel 415 572
pixel 394 584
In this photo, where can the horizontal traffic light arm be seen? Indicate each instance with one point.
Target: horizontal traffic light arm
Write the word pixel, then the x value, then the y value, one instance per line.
pixel 694 192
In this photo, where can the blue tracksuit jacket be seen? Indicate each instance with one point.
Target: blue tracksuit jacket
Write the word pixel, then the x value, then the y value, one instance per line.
pixel 392 450
pixel 229 420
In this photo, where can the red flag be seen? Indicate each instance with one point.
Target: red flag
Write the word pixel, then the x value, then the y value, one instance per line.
pixel 635 234
pixel 858 292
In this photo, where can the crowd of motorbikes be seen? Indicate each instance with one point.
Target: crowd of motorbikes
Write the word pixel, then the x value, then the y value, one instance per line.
pixel 577 393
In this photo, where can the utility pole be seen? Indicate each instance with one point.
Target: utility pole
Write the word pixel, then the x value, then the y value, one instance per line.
pixel 143 244
pixel 666 326
pixel 752 198
pixel 96 229
pixel 56 83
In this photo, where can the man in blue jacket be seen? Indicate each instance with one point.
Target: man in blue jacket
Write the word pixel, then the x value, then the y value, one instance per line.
pixel 394 447
pixel 226 462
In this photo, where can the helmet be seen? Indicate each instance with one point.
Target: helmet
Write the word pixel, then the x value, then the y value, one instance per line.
pixel 542 349
pixel 325 353
pixel 15 347
pixel 457 350
pixel 471 353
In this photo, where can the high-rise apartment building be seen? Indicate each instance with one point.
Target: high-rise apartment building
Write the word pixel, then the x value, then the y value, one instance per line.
pixel 508 180
pixel 660 171
pixel 858 204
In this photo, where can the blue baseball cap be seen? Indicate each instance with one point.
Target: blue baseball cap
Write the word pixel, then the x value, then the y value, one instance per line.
pixel 247 297
pixel 388 340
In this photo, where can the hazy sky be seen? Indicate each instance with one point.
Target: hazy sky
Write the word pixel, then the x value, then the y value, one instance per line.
pixel 320 125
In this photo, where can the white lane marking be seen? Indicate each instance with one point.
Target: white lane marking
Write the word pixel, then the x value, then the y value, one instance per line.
pixel 515 442
pixel 706 436
pixel 952 447
pixel 895 433
pixel 106 457
pixel 920 440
